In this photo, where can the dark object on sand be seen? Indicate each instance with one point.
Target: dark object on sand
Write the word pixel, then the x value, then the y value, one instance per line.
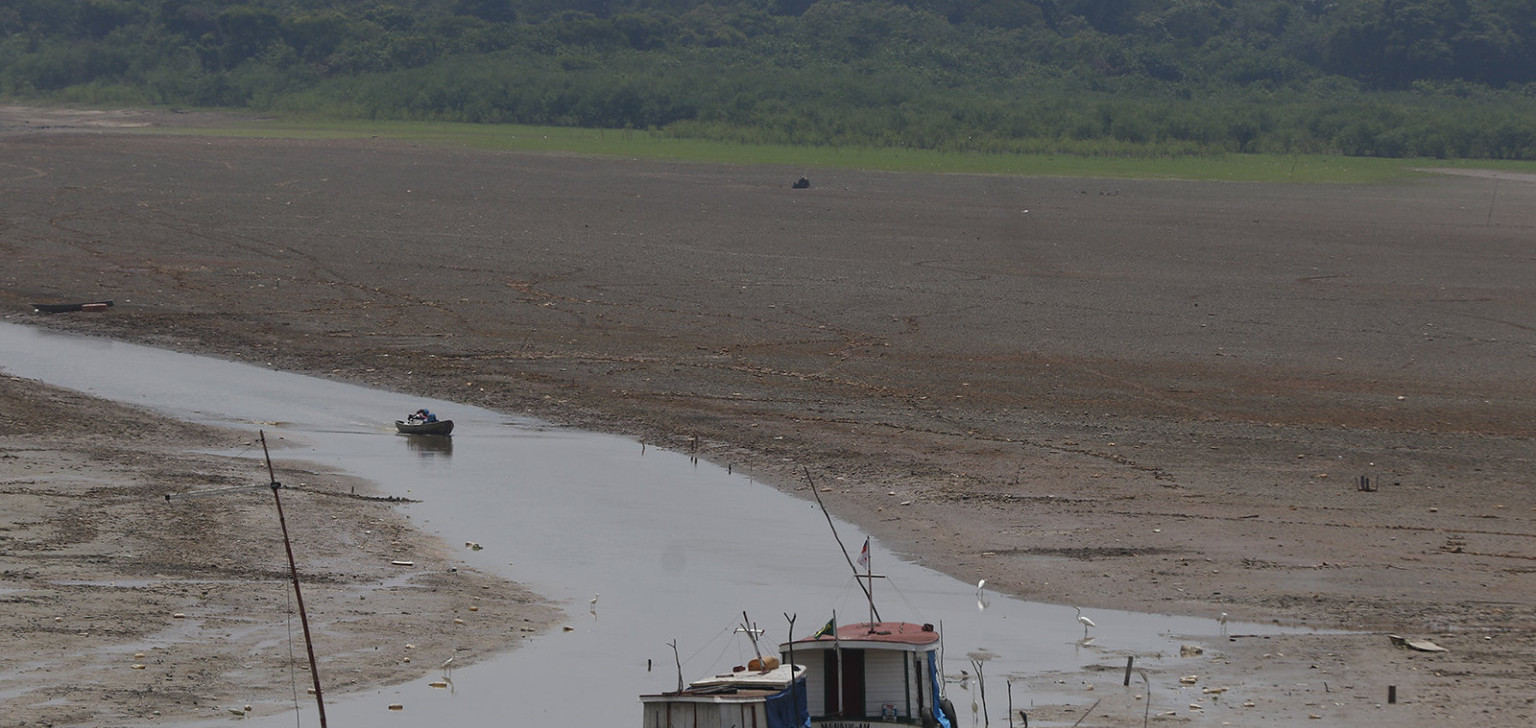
pixel 801 184
pixel 67 307
pixel 415 427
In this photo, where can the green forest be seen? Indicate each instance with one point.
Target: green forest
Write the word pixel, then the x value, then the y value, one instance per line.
pixel 1384 78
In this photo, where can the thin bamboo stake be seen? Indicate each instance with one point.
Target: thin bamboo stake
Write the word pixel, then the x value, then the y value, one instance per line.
pixel 293 570
pixel 868 595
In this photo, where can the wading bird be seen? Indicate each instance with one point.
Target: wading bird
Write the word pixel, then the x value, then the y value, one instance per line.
pixel 1086 622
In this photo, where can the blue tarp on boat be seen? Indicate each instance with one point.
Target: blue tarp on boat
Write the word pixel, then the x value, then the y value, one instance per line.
pixel 788 709
pixel 933 674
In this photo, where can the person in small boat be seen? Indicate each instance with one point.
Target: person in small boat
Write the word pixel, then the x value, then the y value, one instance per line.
pixel 422 415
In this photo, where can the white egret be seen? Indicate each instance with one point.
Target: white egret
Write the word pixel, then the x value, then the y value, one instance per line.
pixel 1223 620
pixel 1086 622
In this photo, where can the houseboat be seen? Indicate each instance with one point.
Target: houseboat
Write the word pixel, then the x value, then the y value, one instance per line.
pixel 873 672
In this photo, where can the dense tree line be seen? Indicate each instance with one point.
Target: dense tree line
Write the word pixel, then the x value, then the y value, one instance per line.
pixel 1363 77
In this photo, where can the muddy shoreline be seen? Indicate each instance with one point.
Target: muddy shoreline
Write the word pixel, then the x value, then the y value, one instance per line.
pixel 126 607
pixel 1156 396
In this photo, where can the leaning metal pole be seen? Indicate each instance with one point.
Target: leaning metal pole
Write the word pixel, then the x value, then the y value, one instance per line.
pixel 293 569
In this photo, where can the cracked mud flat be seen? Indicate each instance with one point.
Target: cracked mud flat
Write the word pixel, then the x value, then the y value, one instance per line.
pixel 1143 395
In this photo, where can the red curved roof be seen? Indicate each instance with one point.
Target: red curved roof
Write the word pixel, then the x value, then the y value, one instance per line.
pixel 902 633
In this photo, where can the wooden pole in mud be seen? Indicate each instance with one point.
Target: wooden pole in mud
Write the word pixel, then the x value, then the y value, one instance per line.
pixel 1086 712
pixel 1146 713
pixel 293 570
pixel 1010 701
pixel 794 686
pixel 981 688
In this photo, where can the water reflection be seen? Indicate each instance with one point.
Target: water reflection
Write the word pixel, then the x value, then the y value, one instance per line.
pixel 429 445
pixel 663 545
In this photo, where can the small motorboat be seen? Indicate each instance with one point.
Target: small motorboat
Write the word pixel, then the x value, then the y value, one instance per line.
pixel 417 426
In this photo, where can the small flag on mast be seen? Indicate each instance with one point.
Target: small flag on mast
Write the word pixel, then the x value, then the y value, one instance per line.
pixel 864 555
pixel 830 630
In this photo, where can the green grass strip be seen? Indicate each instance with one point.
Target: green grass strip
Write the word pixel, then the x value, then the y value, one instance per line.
pixel 1300 169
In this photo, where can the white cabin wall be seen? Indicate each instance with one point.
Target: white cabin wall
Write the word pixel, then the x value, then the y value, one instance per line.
pixel 885 682
pixel 814 662
pixel 705 715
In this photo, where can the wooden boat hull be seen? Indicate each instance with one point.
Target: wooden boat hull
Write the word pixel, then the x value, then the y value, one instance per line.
pixel 440 427
pixel 67 307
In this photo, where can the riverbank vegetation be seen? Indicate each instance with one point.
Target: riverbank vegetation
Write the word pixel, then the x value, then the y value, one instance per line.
pixel 641 144
pixel 1089 78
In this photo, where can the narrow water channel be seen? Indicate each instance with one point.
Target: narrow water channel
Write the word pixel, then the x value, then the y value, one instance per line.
pixel 676 548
